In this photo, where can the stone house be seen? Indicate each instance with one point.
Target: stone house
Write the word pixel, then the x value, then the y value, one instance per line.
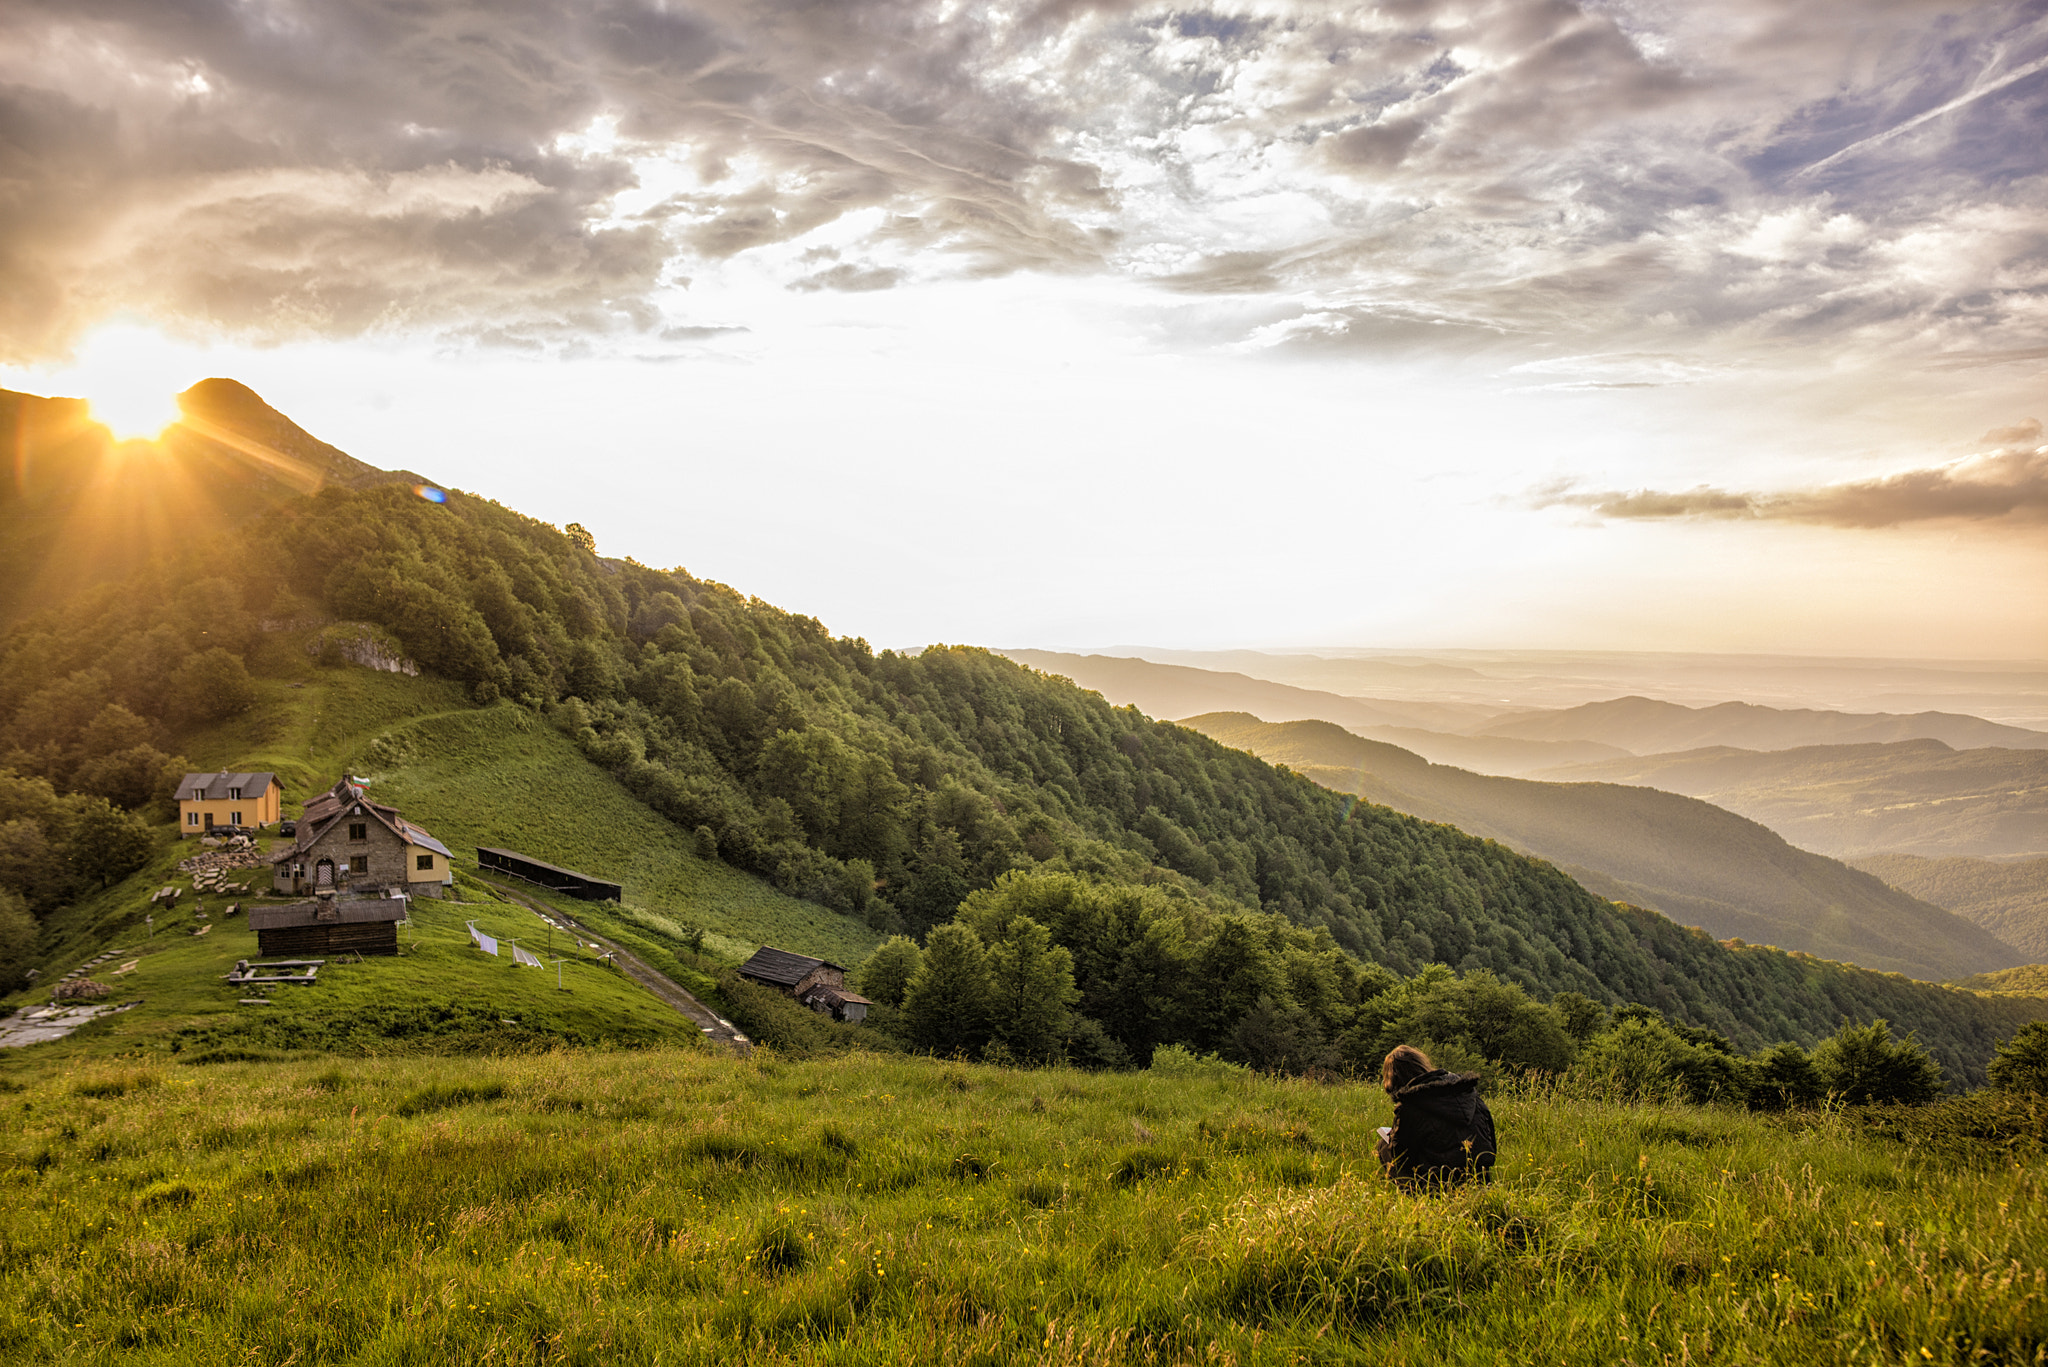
pixel 817 983
pixel 348 844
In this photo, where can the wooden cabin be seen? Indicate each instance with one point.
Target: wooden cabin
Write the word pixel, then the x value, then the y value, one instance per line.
pixel 330 924
pixel 817 983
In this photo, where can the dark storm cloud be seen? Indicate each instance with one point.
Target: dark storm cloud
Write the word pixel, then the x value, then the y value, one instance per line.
pixel 1869 171
pixel 2007 483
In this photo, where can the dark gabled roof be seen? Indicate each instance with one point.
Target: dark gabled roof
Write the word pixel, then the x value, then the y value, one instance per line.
pixel 214 787
pixel 780 967
pixel 350 911
pixel 323 812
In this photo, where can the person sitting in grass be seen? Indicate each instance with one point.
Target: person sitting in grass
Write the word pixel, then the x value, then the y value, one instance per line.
pixel 1442 1133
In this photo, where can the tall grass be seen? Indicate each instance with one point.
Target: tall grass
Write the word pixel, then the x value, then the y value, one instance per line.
pixel 681 1206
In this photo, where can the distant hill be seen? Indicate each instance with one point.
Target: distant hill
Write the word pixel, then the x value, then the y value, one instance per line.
pixel 1645 726
pixel 83 509
pixel 1166 690
pixel 2009 898
pixel 1914 797
pixel 1683 857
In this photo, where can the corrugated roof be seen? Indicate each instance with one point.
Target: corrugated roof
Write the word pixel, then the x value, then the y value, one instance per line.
pixel 543 864
pixel 419 837
pixel 781 967
pixel 215 787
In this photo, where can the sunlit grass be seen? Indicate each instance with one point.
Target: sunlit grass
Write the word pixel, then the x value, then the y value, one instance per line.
pixel 687 1207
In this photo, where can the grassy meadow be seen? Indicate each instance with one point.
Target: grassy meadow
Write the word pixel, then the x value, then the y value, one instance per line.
pixel 503 777
pixel 684 1206
pixel 494 776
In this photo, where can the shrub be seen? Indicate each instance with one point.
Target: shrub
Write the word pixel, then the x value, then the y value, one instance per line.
pixel 2022 1062
pixel 1177 1060
pixel 1785 1076
pixel 1864 1065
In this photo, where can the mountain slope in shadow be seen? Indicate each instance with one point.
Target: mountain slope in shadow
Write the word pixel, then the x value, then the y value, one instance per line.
pixel 1686 858
pixel 1913 797
pixel 2009 898
pixel 1647 726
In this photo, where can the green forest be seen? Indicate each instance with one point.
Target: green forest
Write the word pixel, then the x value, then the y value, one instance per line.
pixel 895 787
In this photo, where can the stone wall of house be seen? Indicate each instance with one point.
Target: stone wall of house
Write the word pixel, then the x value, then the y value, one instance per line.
pixel 384 850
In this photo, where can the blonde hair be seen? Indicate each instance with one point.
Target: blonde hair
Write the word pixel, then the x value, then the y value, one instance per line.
pixel 1405 1063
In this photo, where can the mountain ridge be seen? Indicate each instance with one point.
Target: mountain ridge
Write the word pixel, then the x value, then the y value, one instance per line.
pixel 1675 854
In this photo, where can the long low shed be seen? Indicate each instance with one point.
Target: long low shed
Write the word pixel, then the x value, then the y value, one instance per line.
pixel 548 875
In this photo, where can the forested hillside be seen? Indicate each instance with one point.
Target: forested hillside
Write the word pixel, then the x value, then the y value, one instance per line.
pixel 2009 898
pixel 1679 855
pixel 883 785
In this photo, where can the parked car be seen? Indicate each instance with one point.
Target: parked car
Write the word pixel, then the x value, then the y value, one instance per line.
pixel 287 828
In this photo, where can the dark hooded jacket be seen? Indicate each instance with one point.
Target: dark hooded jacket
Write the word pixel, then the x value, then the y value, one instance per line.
pixel 1443 1132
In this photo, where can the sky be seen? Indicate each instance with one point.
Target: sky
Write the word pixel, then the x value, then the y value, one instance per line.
pixel 1481 323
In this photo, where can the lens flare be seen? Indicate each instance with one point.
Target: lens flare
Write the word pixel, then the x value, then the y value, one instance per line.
pixel 430 493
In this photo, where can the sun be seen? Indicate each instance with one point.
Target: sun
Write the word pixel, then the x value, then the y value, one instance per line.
pixel 129 376
pixel 142 412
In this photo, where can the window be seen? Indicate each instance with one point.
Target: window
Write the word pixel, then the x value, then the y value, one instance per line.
pixel 359 863
pixel 358 830
pixel 191 818
pixel 423 862
pixel 234 818
pixel 234 794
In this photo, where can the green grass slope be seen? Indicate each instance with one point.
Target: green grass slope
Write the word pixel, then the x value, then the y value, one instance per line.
pixel 2007 898
pixel 1683 857
pixel 472 776
pixel 498 776
pixel 438 995
pixel 687 1207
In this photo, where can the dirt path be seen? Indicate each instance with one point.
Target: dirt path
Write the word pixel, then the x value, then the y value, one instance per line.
pixel 715 1027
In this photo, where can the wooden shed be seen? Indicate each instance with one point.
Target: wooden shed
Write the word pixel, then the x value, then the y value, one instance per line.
pixel 817 983
pixel 547 875
pixel 330 925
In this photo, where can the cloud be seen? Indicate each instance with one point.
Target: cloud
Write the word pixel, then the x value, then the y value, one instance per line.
pixel 850 279
pixel 1585 176
pixel 2007 483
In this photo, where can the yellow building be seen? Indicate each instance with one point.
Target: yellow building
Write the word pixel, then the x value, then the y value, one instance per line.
pixel 225 799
